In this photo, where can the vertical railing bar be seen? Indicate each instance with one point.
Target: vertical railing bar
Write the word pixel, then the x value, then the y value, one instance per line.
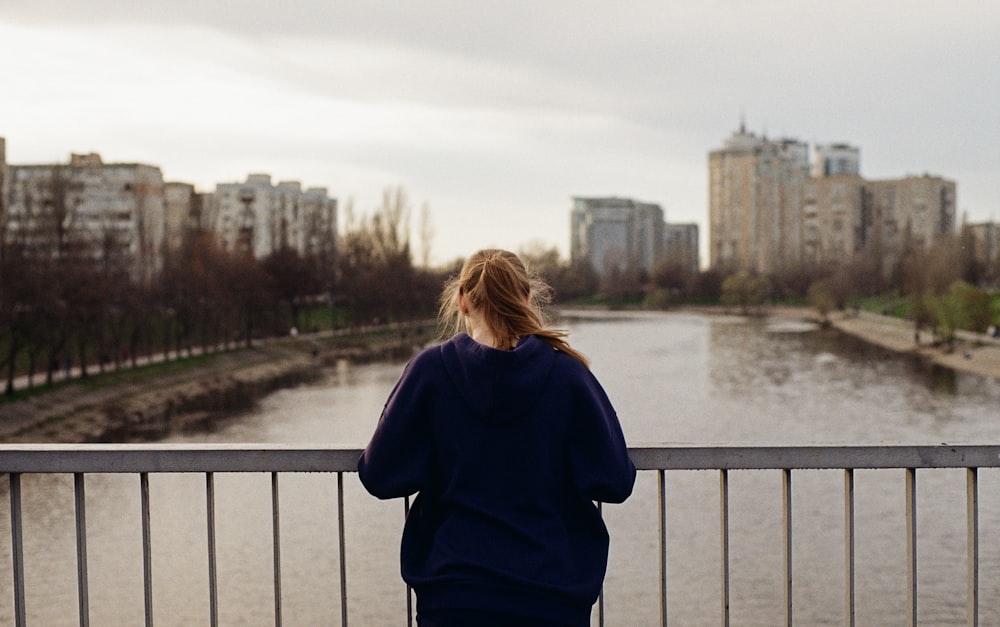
pixel 911 543
pixel 276 543
pixel 724 527
pixel 786 497
pixel 662 494
pixel 343 545
pixel 81 548
pixel 849 583
pixel 409 590
pixel 147 552
pixel 213 581
pixel 972 540
pixel 600 595
pixel 17 548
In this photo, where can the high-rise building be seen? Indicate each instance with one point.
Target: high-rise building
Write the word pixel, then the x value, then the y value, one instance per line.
pixel 835 160
pixel 186 212
pixel 985 242
pixel 835 221
pixel 109 210
pixel 768 212
pixel 680 246
pixel 616 234
pixel 756 188
pixel 911 211
pixel 259 218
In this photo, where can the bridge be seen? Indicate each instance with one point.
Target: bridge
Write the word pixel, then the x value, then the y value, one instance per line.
pixel 142 461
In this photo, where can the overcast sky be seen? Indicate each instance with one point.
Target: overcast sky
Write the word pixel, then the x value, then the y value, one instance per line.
pixel 496 114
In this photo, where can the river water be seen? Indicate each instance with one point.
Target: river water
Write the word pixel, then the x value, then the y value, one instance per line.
pixel 677 378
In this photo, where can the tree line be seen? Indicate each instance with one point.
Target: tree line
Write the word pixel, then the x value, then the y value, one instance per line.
pixel 76 304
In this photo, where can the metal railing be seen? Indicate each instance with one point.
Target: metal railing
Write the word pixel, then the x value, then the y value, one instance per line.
pixel 142 460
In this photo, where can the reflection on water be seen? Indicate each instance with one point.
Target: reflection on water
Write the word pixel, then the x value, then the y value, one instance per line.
pixel 673 378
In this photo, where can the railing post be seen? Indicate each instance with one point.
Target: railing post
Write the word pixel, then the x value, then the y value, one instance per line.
pixel 17 548
pixel 662 500
pixel 972 541
pixel 849 545
pixel 147 552
pixel 81 549
pixel 724 528
pixel 276 543
pixel 600 595
pixel 786 497
pixel 911 544
pixel 343 546
pixel 409 591
pixel 213 582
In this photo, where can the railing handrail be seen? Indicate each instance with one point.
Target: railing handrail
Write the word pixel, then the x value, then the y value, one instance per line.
pixel 180 458
pixel 144 459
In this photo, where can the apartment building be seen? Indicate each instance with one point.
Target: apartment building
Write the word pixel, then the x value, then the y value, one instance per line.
pixel 258 217
pixel 985 239
pixel 835 220
pixel 756 189
pixel 615 234
pixel 620 234
pixel 776 205
pixel 110 210
pixel 834 160
pixel 680 246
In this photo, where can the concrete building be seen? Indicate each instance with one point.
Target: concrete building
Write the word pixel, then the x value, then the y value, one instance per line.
pixel 835 222
pixel 756 189
pixel 620 234
pixel 178 210
pixel 914 210
pixel 767 212
pixel 680 246
pixel 259 218
pixel 986 248
pixel 186 213
pixel 835 160
pixel 111 210
pixel 616 234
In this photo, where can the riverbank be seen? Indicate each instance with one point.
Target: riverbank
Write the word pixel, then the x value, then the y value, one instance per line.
pixel 978 355
pixel 132 405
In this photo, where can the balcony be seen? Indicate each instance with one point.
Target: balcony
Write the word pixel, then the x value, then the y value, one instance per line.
pixel 81 462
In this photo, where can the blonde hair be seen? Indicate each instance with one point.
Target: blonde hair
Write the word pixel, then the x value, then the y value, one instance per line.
pixel 510 297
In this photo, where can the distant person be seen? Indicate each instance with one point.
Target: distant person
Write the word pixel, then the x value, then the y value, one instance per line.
pixel 509 439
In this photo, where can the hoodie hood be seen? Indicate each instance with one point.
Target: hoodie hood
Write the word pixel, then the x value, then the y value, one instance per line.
pixel 498 385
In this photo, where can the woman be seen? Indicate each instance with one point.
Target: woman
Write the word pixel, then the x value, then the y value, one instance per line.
pixel 509 439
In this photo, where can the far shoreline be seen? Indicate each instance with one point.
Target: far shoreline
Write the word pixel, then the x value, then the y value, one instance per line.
pixel 971 353
pixel 204 395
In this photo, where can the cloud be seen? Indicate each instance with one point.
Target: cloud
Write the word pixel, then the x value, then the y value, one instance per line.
pixel 504 108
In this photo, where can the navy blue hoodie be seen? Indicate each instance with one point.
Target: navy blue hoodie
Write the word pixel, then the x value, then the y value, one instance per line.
pixel 508 451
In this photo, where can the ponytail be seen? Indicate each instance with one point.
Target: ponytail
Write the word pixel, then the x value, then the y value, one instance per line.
pixel 512 300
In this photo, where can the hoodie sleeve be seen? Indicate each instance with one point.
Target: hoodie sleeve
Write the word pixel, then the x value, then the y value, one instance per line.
pixel 598 455
pixel 395 463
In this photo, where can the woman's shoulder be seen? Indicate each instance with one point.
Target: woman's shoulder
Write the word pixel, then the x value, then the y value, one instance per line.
pixel 429 356
pixel 570 367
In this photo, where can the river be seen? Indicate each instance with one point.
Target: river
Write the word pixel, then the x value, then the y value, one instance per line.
pixel 674 378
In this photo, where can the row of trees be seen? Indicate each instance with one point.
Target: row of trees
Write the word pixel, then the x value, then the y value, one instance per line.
pixel 79 305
